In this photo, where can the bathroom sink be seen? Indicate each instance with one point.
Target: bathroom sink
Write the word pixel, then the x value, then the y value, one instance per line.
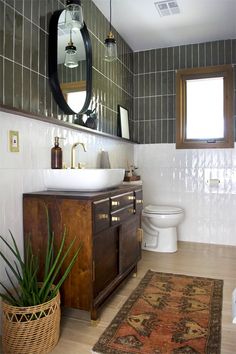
pixel 84 180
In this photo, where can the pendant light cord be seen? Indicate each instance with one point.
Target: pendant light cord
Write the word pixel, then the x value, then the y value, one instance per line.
pixel 110 15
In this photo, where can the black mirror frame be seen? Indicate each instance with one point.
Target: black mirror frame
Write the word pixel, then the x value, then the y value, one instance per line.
pixel 52 65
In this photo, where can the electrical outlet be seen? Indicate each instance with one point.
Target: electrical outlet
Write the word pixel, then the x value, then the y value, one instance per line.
pixel 14 141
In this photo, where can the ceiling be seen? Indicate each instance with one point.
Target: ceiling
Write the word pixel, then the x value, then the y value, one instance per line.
pixel 141 26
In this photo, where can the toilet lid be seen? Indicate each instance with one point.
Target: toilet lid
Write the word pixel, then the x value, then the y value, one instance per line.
pixel 162 209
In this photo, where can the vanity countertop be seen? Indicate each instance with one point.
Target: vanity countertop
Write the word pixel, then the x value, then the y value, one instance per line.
pixel 124 188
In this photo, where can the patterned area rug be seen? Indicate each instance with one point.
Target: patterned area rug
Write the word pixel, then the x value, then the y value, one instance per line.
pixel 167 314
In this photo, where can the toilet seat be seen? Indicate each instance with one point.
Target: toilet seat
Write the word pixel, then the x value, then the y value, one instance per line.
pixel 162 209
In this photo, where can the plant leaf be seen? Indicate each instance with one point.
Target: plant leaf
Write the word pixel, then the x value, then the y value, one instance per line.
pixel 11 298
pixel 26 271
pixel 47 283
pixel 50 242
pixel 10 266
pixel 67 271
pixel 18 256
pixel 13 285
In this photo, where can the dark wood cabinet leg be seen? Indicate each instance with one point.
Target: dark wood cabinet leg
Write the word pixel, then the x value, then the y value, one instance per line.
pixel 134 275
pixel 94 315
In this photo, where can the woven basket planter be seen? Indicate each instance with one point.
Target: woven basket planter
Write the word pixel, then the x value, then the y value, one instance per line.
pixel 31 330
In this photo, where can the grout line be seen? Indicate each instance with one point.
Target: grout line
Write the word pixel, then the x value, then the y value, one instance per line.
pixel 23 66
pixel 98 71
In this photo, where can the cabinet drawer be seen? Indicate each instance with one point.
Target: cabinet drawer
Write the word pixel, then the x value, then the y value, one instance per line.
pixel 101 216
pixel 121 200
pixel 119 216
pixel 138 200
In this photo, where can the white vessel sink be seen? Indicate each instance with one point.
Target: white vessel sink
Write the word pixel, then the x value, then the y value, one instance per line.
pixel 84 180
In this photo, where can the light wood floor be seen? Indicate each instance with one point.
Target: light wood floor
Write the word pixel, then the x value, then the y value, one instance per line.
pixel 78 335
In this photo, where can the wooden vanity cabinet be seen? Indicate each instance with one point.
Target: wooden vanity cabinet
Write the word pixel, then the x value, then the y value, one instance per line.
pixel 109 225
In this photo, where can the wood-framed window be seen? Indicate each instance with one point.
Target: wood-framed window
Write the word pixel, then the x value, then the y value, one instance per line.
pixel 204 108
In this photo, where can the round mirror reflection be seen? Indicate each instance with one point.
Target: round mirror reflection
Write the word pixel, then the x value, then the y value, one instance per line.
pixel 71 59
pixel 70 66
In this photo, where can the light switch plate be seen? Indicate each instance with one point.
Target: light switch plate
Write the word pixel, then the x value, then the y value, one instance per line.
pixel 14 141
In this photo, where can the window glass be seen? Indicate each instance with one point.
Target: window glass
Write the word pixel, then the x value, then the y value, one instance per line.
pixel 205 120
pixel 75 98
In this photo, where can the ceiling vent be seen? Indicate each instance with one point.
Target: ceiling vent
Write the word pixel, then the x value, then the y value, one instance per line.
pixel 167 7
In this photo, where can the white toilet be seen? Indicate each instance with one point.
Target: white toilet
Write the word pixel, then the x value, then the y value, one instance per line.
pixel 159 223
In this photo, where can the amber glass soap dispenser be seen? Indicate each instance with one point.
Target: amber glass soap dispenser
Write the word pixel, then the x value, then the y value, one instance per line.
pixel 56 154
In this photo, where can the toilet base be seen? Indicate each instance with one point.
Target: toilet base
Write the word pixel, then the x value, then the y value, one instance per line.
pixel 165 240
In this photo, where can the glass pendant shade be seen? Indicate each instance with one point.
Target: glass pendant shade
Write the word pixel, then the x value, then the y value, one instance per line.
pixel 110 48
pixel 71 57
pixel 74 19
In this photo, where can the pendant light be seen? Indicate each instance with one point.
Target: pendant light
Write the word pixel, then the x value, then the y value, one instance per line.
pixel 74 15
pixel 110 45
pixel 71 57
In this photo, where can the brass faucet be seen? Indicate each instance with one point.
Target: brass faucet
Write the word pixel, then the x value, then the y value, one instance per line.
pixel 72 165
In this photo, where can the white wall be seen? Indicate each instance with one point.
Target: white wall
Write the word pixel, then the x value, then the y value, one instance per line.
pixel 22 172
pixel 179 177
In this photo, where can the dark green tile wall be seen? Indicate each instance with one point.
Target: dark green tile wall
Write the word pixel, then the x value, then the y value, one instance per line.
pixel 154 85
pixel 65 74
pixel 23 62
pixel 143 82
pixel 23 55
pixel 112 82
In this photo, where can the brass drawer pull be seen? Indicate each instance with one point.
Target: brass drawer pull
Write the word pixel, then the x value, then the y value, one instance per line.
pixel 131 197
pixel 115 203
pixel 140 234
pixel 103 216
pixel 115 218
pixel 131 211
pixel 139 201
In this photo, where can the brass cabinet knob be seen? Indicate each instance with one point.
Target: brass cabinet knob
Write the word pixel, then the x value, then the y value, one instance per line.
pixel 103 216
pixel 115 203
pixel 131 197
pixel 115 218
pixel 139 201
pixel 131 211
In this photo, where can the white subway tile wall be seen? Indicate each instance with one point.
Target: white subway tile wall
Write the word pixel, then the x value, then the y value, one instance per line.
pixel 182 178
pixel 22 172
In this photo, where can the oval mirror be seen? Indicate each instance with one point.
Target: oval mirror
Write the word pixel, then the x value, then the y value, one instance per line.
pixel 70 65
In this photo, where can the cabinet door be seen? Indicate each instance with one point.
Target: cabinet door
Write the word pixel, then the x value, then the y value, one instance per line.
pixel 106 262
pixel 130 243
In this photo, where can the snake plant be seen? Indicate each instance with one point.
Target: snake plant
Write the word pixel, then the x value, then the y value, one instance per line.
pixel 26 290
